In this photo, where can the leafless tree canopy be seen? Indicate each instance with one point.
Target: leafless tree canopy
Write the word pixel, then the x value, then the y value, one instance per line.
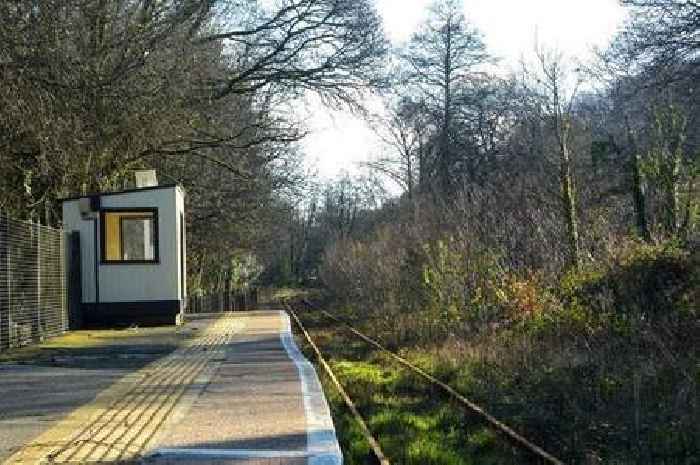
pixel 201 90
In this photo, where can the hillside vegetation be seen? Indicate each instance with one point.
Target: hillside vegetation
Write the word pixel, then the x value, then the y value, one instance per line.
pixel 542 257
pixel 599 364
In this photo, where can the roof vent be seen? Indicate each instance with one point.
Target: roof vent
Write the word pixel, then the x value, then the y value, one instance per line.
pixel 145 178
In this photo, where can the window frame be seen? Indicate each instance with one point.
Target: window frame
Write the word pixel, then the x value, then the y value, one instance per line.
pixel 153 214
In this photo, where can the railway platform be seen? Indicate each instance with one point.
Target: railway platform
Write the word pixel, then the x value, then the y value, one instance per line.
pixel 240 392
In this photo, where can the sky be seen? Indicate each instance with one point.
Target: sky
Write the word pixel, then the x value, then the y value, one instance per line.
pixel 339 142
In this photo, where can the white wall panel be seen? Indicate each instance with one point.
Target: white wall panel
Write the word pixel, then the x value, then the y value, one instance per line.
pixel 132 282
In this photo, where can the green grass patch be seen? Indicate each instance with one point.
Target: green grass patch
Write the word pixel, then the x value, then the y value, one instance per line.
pixel 413 421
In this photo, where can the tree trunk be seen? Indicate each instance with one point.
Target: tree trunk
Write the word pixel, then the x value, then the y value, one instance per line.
pixel 672 197
pixel 569 200
pixel 687 210
pixel 409 176
pixel 421 165
pixel 638 194
pixel 445 158
pixel 671 128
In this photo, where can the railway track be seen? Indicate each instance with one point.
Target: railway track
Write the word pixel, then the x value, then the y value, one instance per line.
pixel 536 453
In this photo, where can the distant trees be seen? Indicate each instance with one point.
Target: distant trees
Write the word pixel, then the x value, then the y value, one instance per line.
pixel 442 64
pixel 650 74
pixel 334 211
pixel 549 217
pixel 663 33
pixel 404 130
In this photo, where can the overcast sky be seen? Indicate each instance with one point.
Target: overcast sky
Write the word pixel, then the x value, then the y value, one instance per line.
pixel 339 141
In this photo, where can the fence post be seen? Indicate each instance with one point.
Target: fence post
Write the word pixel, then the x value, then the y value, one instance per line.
pixel 75 285
pixel 4 283
pixel 39 334
pixel 8 281
pixel 65 317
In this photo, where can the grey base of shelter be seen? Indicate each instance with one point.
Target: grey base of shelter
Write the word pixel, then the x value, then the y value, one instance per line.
pixel 145 313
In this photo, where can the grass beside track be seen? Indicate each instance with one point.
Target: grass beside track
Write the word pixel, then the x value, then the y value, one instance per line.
pixel 414 423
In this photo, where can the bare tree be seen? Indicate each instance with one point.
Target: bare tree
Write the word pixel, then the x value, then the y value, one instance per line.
pixel 335 48
pixel 404 131
pixel 666 159
pixel 93 89
pixel 553 97
pixel 442 58
pixel 614 68
pixel 664 33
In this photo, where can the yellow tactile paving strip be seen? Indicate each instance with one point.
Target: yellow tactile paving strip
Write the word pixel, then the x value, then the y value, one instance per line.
pixel 123 419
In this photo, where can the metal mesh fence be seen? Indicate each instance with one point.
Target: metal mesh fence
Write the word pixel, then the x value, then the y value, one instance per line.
pixel 222 301
pixel 32 282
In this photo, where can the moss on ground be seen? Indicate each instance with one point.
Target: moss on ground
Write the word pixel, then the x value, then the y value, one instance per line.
pixel 414 423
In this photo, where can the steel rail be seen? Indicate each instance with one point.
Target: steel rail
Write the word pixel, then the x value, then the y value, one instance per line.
pixel 373 443
pixel 514 437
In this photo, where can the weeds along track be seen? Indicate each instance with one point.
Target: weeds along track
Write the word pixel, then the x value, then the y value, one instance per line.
pixel 517 441
pixel 373 443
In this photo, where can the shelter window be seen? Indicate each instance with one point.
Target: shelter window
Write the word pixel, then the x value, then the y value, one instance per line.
pixel 130 236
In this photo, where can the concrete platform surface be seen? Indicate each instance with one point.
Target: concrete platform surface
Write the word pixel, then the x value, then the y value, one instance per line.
pixel 238 393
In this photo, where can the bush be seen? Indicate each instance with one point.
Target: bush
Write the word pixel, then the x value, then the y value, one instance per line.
pixel 598 362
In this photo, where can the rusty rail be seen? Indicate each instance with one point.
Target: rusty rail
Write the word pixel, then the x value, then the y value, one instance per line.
pixel 373 443
pixel 515 438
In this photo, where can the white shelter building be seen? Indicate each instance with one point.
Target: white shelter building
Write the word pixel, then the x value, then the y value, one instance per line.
pixel 132 254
